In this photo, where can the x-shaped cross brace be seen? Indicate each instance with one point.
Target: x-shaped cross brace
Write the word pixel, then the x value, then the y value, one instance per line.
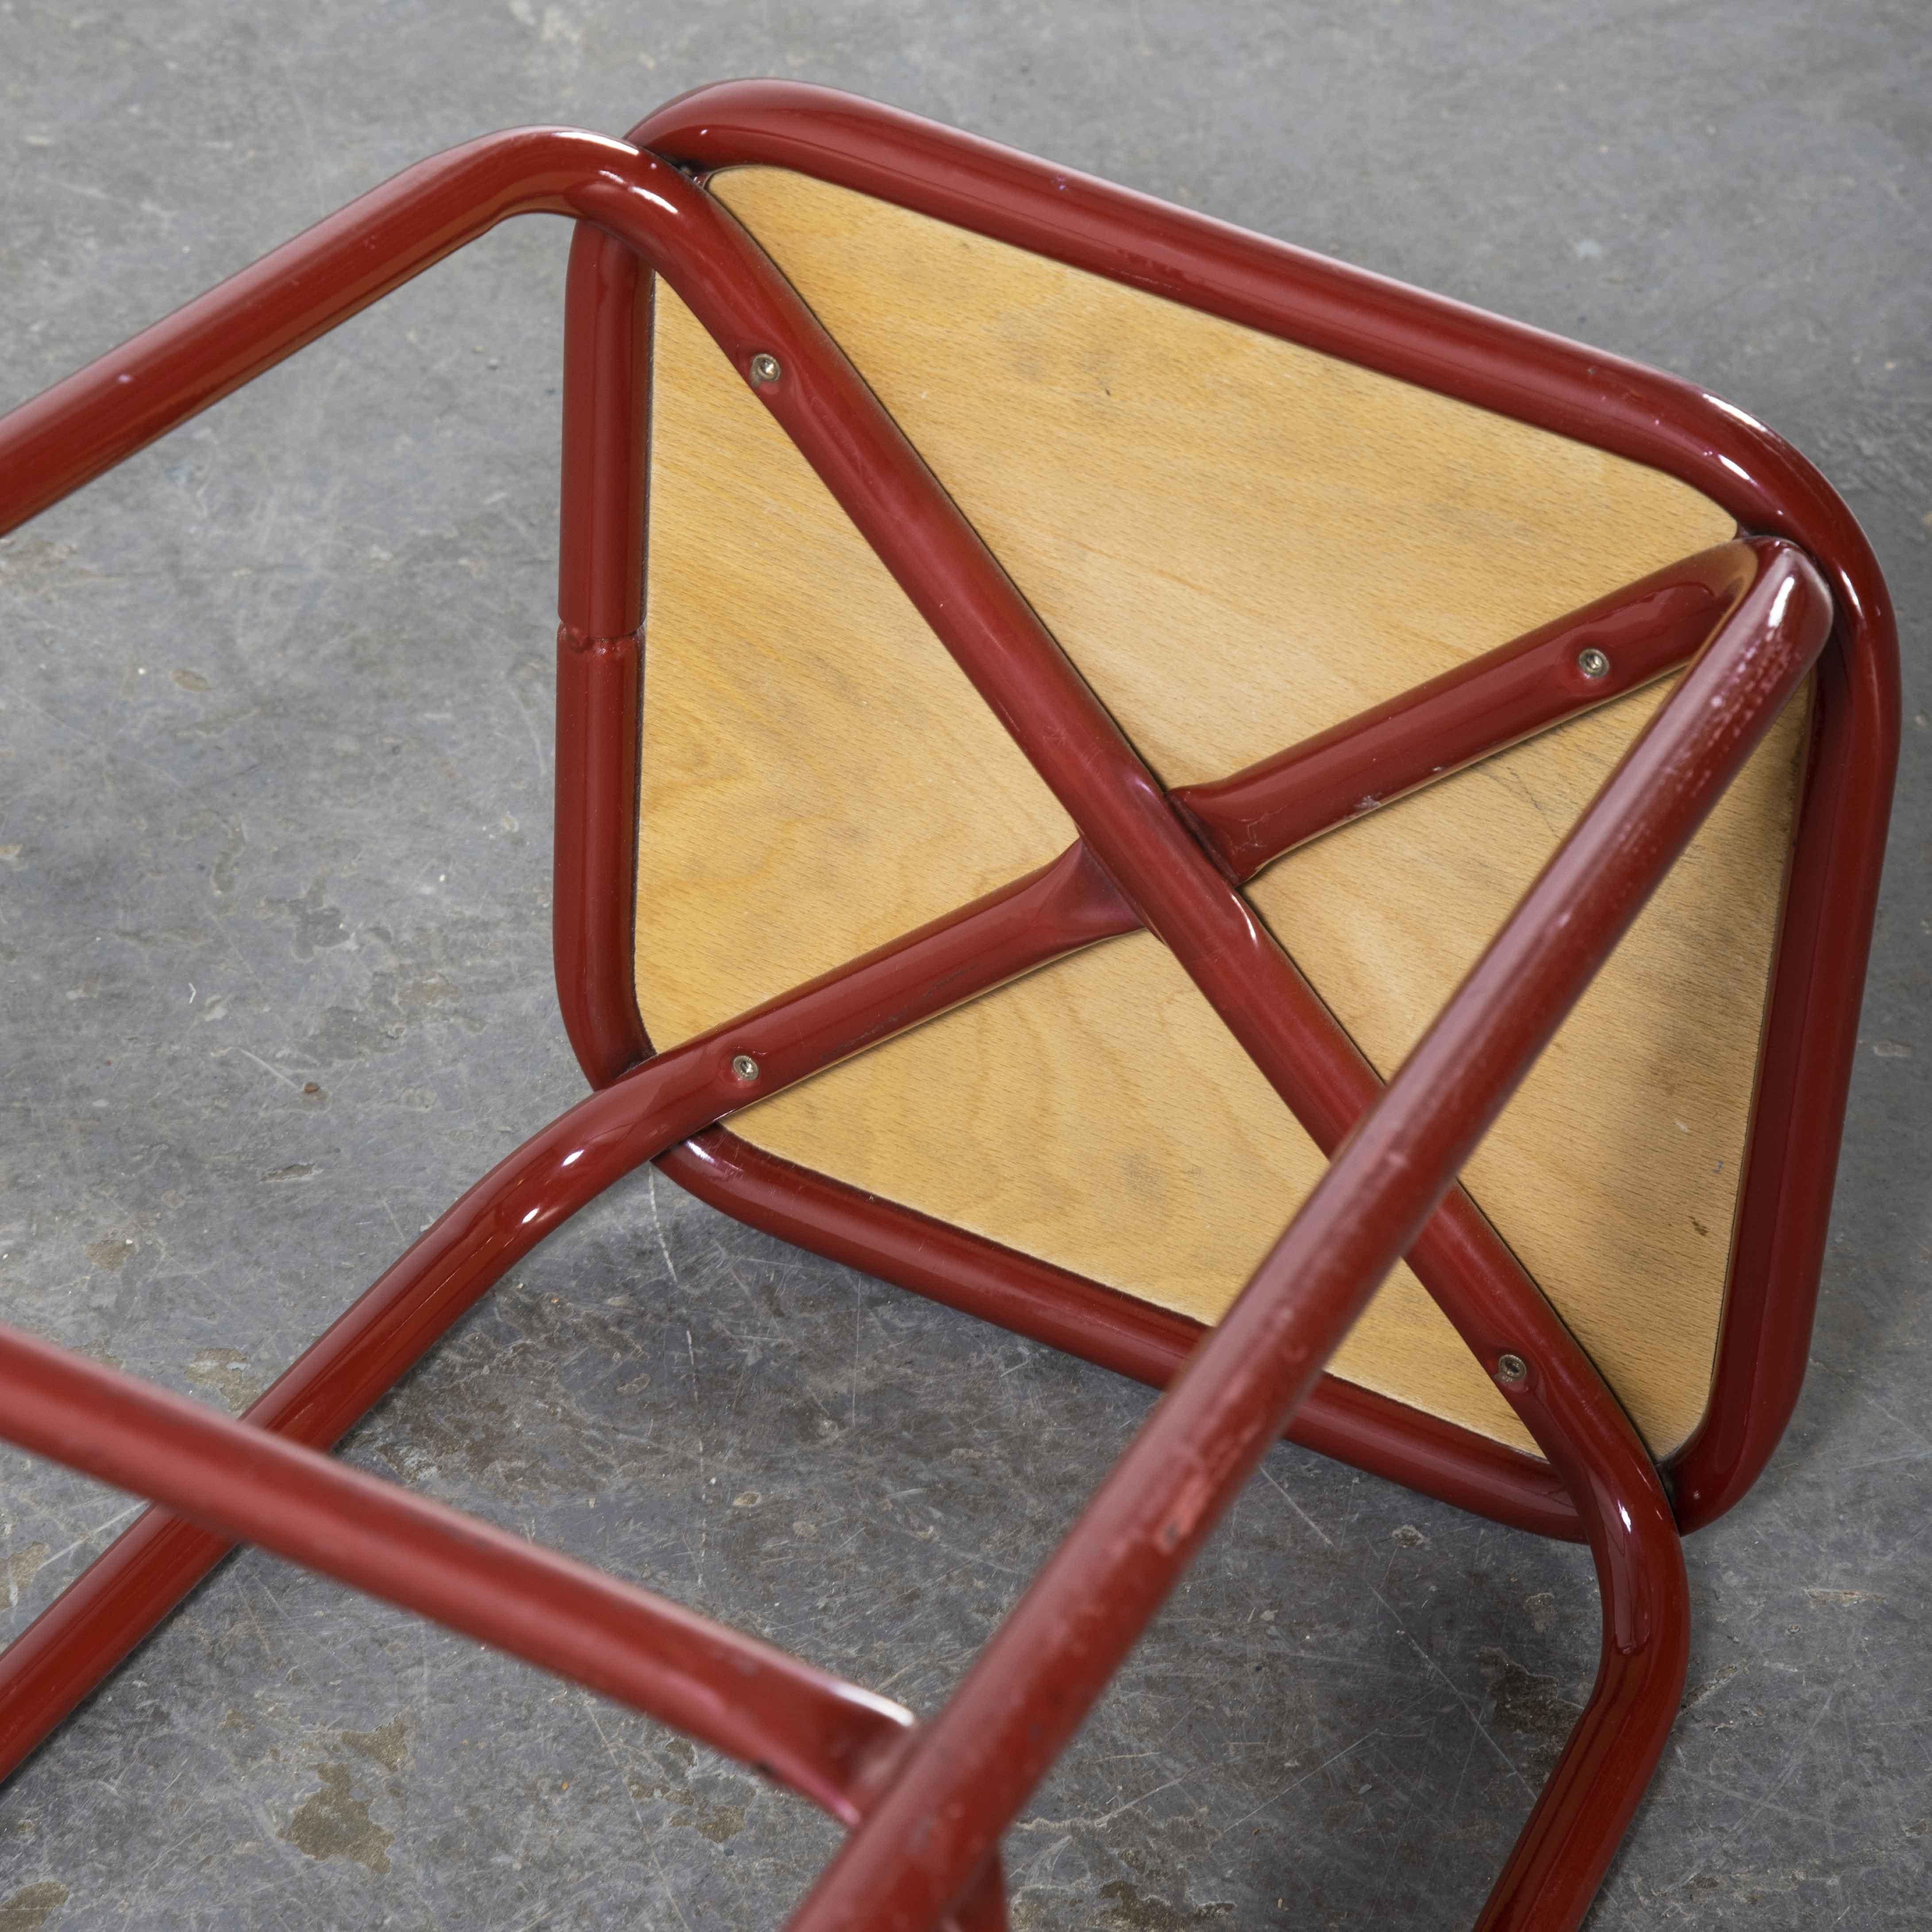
pixel 928 1805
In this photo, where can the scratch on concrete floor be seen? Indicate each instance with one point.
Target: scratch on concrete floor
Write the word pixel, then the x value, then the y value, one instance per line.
pixel 1326 1538
pixel 1469 1709
pixel 609 1751
pixel 80 1542
pixel 1296 1783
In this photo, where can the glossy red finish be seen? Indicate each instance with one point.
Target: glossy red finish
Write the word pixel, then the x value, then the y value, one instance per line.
pixel 126 1591
pixel 964 1780
pixel 114 1603
pixel 1810 1035
pixel 1646 628
pixel 599 683
pixel 607 368
pixel 796 1725
pixel 934 1805
pixel 601 604
pixel 1575 391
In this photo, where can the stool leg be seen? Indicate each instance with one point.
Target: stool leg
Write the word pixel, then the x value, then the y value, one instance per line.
pixel 74 1645
pixel 1573 1833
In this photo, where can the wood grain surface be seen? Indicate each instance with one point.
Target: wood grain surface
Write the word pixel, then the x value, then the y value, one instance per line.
pixel 1240 542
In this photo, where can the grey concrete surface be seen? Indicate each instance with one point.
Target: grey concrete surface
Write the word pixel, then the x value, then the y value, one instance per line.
pixel 275 722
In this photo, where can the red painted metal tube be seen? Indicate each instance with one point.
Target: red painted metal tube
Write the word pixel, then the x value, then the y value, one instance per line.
pixel 114 1603
pixel 599 684
pixel 1574 390
pixel 1125 821
pixel 1564 1846
pixel 125 1592
pixel 1063 906
pixel 809 1731
pixel 1810 1034
pixel 1476 709
pixel 1133 1338
pixel 600 605
pixel 973 1767
pixel 606 367
pixel 123 400
pixel 1532 681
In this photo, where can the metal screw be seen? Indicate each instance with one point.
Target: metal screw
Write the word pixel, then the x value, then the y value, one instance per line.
pixel 744 1066
pixel 764 369
pixel 1511 1368
pixel 1592 663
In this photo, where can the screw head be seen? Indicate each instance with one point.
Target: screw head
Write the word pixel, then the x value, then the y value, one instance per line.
pixel 1511 1368
pixel 744 1067
pixel 1592 662
pixel 764 369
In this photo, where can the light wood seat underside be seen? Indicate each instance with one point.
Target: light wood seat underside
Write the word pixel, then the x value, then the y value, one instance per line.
pixel 1240 542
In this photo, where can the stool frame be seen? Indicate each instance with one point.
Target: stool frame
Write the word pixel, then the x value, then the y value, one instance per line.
pixel 1799 595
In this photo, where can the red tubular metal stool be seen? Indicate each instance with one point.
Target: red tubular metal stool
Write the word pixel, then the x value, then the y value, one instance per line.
pixel 1019 523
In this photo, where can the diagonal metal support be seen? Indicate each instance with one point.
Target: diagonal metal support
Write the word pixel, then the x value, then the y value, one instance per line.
pixel 153 1564
pixel 1031 1688
pixel 933 1808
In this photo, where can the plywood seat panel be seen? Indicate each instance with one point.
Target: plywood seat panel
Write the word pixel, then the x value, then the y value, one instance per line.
pixel 1240 542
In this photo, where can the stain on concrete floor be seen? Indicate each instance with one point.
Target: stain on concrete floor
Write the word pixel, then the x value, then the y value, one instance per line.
pixel 335 1823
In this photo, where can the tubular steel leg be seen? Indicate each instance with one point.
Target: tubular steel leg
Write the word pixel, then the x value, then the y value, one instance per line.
pixel 606 321
pixel 79 1638
pixel 87 1630
pixel 807 1730
pixel 973 1768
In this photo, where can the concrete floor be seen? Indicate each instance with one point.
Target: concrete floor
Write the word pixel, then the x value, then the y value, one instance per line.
pixel 274 769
